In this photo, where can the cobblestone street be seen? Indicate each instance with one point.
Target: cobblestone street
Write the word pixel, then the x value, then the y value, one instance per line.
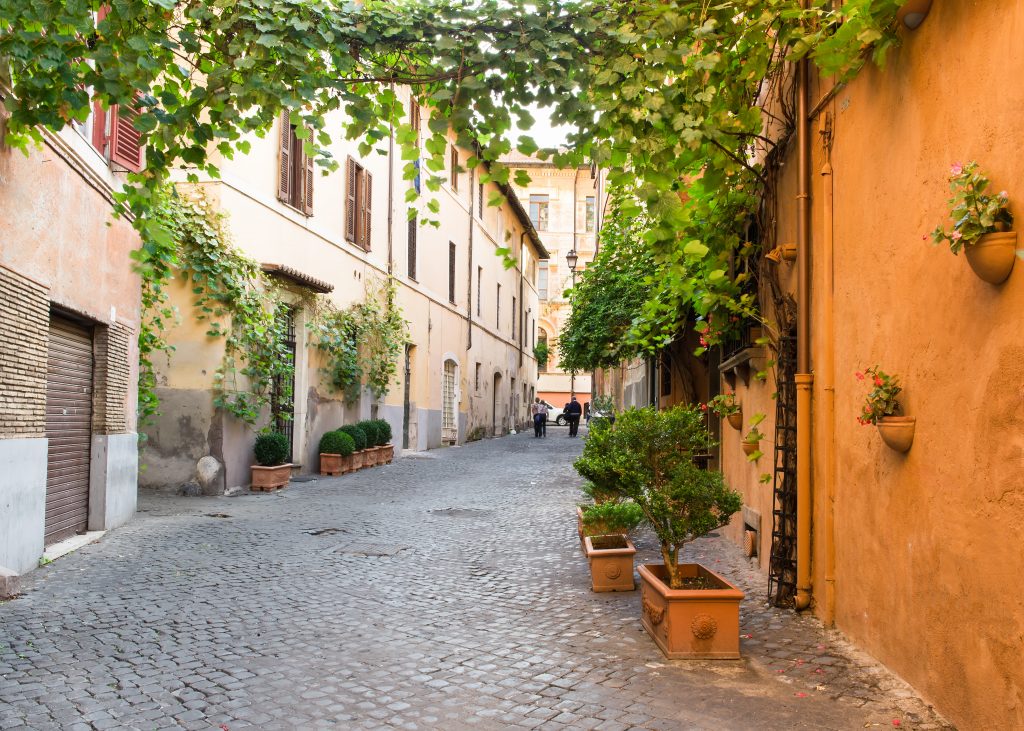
pixel 446 590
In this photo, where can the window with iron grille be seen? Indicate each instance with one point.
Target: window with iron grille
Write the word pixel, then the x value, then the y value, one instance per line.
pixel 282 401
pixel 451 272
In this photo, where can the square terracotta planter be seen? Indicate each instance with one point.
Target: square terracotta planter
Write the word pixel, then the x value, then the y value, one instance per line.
pixel 611 562
pixel 332 464
pixel 691 623
pixel 357 461
pixel 389 453
pixel 270 478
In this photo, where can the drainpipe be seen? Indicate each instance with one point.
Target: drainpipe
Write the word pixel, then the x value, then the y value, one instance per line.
pixel 469 272
pixel 522 262
pixel 828 375
pixel 391 190
pixel 804 378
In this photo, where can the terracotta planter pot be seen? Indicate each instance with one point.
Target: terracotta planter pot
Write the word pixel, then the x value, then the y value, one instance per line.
pixel 735 420
pixel 992 256
pixel 270 478
pixel 389 453
pixel 611 562
pixel 357 461
pixel 750 447
pixel 691 623
pixel 332 464
pixel 346 464
pixel 897 431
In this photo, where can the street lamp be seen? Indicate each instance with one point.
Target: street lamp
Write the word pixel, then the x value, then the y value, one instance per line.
pixel 571 259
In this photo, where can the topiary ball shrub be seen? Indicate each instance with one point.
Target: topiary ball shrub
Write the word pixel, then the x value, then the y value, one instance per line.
pixel 384 432
pixel 337 442
pixel 271 449
pixel 357 434
pixel 370 429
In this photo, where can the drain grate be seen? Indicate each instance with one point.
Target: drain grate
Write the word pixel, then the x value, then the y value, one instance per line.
pixel 217 515
pixel 326 531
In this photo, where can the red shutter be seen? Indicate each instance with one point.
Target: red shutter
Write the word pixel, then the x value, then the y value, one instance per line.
pixel 367 192
pixel 350 200
pixel 307 197
pixel 284 185
pixel 125 147
pixel 99 128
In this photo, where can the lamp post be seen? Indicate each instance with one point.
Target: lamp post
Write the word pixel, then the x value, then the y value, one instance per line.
pixel 571 259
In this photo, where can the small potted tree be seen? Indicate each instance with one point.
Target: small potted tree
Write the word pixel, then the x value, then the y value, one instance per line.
pixel 359 441
pixel 882 408
pixel 271 471
pixel 689 611
pixel 336 449
pixel 981 227
pixel 726 406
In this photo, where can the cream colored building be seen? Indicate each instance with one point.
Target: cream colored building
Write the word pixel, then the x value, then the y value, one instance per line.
pixel 565 206
pixel 468 370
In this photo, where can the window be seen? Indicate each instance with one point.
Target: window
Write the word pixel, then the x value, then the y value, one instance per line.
pixel 116 138
pixel 414 117
pixel 533 333
pixel 477 381
pixel 539 212
pixel 480 200
pixel 412 247
pixel 451 272
pixel 358 189
pixel 497 311
pixel 513 318
pixel 453 175
pixel 479 290
pixel 591 214
pixel 295 176
pixel 542 281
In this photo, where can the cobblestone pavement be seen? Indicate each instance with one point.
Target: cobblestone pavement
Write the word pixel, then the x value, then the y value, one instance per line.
pixel 444 591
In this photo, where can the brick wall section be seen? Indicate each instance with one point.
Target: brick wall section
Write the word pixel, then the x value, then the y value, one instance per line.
pixel 111 378
pixel 24 330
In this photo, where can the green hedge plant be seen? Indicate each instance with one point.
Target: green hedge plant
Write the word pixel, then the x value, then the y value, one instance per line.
pixel 384 432
pixel 648 457
pixel 370 430
pixel 357 434
pixel 271 449
pixel 612 518
pixel 337 442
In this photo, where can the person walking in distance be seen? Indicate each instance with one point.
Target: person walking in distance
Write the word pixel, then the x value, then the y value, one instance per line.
pixel 543 418
pixel 536 411
pixel 573 411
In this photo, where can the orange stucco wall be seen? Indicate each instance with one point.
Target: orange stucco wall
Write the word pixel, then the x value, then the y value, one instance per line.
pixel 926 556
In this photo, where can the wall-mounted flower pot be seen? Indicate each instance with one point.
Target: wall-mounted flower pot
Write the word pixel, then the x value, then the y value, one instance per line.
pixel 611 562
pixel 699 623
pixel 897 431
pixel 992 256
pixel 270 478
pixel 735 420
pixel 750 447
pixel 332 464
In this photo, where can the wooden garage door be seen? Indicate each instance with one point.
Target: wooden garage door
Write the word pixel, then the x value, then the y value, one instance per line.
pixel 68 427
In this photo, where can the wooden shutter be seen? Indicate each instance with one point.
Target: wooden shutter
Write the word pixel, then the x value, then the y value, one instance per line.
pixel 284 184
pixel 350 200
pixel 307 189
pixel 451 272
pixel 99 128
pixel 367 195
pixel 125 146
pixel 455 168
pixel 412 248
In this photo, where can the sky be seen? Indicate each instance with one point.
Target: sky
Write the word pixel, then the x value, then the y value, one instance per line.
pixel 543 132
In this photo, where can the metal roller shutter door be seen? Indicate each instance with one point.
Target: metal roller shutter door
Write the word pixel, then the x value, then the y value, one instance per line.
pixel 68 428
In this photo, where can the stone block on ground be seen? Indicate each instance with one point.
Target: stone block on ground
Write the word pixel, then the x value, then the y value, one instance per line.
pixel 210 476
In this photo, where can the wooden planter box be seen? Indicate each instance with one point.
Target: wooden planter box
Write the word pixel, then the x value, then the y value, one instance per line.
pixel 691 623
pixel 270 478
pixel 611 562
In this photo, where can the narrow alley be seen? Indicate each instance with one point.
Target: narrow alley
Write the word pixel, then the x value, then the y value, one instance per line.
pixel 446 590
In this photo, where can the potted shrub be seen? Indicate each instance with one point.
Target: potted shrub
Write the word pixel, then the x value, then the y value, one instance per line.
pixel 725 406
pixel 387 448
pixel 606 544
pixel 359 441
pixel 882 409
pixel 370 449
pixel 752 439
pixel 981 227
pixel 373 440
pixel 336 449
pixel 689 611
pixel 271 471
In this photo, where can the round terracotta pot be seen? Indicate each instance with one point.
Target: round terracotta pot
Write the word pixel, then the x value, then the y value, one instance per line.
pixel 897 431
pixel 750 447
pixel 735 420
pixel 913 12
pixel 991 257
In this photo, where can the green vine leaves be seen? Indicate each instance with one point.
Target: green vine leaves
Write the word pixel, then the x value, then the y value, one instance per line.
pixel 668 96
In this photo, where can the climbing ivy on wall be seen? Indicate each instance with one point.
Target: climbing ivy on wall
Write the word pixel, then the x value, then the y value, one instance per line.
pixel 667 95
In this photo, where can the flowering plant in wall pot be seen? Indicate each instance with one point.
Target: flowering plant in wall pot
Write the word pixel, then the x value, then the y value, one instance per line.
pixel 981 224
pixel 752 440
pixel 726 406
pixel 882 408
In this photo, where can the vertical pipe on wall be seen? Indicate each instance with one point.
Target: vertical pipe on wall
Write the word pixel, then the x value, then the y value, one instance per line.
pixel 469 270
pixel 828 385
pixel 804 379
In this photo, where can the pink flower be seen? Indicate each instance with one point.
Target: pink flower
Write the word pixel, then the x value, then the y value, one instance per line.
pixel 956 169
pixel 1003 194
pixel 956 236
pixel 860 376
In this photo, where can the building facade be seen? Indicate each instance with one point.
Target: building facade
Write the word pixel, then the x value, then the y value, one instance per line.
pixel 468 370
pixel 68 339
pixel 565 206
